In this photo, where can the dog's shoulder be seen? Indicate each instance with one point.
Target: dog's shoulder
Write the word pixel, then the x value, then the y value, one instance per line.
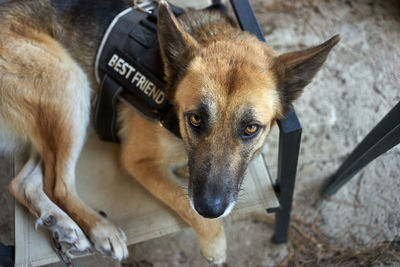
pixel 77 25
pixel 60 18
pixel 88 14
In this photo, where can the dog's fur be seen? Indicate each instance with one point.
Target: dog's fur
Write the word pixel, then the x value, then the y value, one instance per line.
pixel 222 82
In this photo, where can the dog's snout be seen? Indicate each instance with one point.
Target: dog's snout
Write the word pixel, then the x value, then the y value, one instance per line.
pixel 210 208
pixel 213 185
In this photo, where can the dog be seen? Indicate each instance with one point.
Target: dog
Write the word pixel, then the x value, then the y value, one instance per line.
pixel 227 88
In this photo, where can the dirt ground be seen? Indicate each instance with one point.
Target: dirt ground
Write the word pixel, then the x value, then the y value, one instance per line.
pixel 357 86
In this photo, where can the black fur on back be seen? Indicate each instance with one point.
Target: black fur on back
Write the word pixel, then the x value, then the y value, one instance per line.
pixel 78 25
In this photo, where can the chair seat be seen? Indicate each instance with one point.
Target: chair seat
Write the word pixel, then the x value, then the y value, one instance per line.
pixel 104 186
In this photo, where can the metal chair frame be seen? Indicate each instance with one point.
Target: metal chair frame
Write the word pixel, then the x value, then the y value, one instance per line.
pixel 384 136
pixel 289 137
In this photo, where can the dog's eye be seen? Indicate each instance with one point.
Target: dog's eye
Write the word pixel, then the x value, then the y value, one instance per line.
pixel 251 130
pixel 195 120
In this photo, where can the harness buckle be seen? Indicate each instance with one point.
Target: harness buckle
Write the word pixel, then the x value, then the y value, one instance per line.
pixel 146 7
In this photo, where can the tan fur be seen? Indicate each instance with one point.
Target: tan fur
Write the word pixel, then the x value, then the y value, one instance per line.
pixel 45 96
pixel 247 80
pixel 151 165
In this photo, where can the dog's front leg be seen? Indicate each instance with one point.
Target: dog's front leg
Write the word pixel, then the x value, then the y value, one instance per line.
pixel 27 188
pixel 59 184
pixel 59 138
pixel 148 156
pixel 159 180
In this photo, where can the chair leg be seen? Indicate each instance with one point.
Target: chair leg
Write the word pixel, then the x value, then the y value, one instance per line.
pixel 289 136
pixel 289 146
pixel 6 255
pixel 382 138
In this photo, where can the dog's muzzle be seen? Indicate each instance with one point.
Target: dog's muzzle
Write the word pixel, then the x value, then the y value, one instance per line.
pixel 212 201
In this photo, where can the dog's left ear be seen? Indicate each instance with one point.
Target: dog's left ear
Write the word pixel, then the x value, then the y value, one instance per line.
pixel 177 46
pixel 295 70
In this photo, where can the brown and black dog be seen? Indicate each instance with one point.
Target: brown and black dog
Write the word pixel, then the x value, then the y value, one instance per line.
pixel 227 88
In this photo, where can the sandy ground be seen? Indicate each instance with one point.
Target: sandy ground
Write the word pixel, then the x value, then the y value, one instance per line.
pixel 357 86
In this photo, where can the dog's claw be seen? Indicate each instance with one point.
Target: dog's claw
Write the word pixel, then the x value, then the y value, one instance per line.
pixel 209 260
pixel 38 222
pixel 122 234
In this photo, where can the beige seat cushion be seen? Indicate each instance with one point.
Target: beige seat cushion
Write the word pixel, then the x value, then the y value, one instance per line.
pixel 104 186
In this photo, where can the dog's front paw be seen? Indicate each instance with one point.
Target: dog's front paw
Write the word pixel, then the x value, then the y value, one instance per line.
pixel 65 231
pixel 109 240
pixel 214 247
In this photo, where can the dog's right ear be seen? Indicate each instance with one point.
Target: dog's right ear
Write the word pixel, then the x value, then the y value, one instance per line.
pixel 295 70
pixel 177 46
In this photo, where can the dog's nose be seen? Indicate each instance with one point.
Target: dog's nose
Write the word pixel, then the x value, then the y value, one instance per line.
pixel 210 207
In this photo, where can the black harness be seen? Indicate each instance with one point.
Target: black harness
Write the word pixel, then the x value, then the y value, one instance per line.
pixel 129 69
pixel 128 66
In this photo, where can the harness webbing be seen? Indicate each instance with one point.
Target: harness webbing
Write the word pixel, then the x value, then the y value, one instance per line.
pixel 128 67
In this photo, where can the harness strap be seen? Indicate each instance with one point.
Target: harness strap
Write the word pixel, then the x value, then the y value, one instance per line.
pixel 105 118
pixel 129 57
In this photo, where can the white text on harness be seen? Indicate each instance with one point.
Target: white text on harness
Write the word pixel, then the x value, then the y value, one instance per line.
pixel 128 72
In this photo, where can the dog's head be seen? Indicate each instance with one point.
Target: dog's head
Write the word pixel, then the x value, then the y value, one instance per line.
pixel 228 89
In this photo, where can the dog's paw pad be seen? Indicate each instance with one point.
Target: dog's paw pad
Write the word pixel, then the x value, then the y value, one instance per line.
pixel 46 221
pixel 109 240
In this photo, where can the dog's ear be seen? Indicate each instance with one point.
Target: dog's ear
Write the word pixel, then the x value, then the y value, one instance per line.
pixel 177 46
pixel 295 70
